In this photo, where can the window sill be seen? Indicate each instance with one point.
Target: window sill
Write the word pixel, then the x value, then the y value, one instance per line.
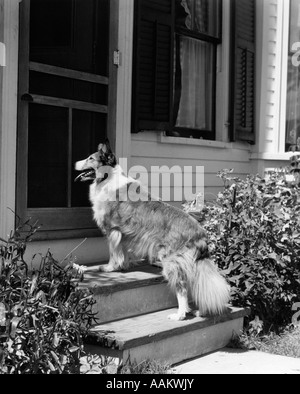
pixel 66 234
pixel 163 139
pixel 273 156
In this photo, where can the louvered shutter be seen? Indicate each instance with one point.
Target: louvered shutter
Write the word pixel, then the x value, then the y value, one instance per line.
pixel 243 71
pixel 153 65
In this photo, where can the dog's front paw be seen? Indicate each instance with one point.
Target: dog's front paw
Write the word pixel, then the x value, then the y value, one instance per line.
pixel 196 313
pixel 177 316
pixel 106 268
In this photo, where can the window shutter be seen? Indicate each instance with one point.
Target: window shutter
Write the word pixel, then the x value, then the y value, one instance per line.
pixel 153 65
pixel 243 71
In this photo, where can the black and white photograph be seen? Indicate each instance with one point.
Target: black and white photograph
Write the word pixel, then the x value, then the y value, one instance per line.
pixel 149 189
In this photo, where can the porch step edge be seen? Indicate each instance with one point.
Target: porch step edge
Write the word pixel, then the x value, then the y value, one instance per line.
pixel 141 330
pixel 102 283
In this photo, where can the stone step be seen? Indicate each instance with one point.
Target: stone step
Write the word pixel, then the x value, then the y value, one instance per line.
pixel 153 336
pixel 119 295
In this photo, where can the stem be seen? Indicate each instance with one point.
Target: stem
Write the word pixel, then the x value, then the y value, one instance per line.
pixel 73 250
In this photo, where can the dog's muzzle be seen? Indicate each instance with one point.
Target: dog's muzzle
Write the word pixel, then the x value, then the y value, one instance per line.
pixel 87 174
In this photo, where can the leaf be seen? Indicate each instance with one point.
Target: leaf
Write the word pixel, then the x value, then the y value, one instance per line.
pixel 14 325
pixel 56 339
pixel 33 286
pixel 111 369
pixel 2 315
pixel 51 366
pixel 42 297
pixel 273 256
pixel 56 359
pixel 74 349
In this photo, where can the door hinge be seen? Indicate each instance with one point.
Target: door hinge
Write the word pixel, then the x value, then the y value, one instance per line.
pixel 117 56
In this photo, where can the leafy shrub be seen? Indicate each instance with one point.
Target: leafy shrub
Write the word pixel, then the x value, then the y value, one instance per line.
pixel 147 367
pixel 254 234
pixel 43 315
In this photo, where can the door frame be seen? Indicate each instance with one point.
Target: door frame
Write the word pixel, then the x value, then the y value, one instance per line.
pixel 80 218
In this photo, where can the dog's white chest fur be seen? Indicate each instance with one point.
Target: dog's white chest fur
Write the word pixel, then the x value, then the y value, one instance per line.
pixel 107 191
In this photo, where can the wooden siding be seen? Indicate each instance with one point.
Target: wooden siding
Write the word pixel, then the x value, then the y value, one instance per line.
pixel 147 151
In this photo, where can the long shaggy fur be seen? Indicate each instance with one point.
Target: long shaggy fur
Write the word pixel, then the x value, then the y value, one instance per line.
pixel 209 289
pixel 158 232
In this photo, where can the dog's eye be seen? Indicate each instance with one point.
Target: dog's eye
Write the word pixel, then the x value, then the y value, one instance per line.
pixel 91 158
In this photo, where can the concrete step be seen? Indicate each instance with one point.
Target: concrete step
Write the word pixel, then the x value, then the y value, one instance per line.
pixel 153 336
pixel 229 361
pixel 119 295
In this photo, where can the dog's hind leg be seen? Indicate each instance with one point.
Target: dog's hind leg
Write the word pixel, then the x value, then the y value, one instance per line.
pixel 177 280
pixel 183 305
pixel 118 259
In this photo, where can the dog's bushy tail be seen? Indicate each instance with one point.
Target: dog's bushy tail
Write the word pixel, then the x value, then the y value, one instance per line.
pixel 209 289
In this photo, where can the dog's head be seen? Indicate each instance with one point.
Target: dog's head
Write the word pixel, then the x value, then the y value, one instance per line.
pixel 97 165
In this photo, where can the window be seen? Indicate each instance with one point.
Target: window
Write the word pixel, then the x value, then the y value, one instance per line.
pixel 63 109
pixel 292 142
pixel 197 34
pixel 175 67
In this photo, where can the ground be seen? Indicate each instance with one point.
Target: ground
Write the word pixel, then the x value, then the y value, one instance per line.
pixel 285 344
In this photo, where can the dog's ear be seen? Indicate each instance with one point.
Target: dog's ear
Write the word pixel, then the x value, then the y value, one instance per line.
pixel 111 158
pixel 106 154
pixel 107 143
pixel 105 147
pixel 102 148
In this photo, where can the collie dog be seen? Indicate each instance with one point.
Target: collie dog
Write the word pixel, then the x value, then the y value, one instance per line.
pixel 150 229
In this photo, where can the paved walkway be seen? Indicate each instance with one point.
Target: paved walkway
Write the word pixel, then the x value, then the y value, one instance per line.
pixel 237 361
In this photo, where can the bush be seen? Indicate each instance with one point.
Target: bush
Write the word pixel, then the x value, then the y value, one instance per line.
pixel 254 234
pixel 44 317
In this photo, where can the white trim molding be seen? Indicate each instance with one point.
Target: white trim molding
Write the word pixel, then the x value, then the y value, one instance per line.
pixel 124 81
pixel 8 119
pixel 269 76
pixel 284 72
pixel 163 139
pixel 273 156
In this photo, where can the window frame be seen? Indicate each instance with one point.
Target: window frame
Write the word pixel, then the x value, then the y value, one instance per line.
pixel 215 41
pixel 168 127
pixel 66 222
pixel 289 55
